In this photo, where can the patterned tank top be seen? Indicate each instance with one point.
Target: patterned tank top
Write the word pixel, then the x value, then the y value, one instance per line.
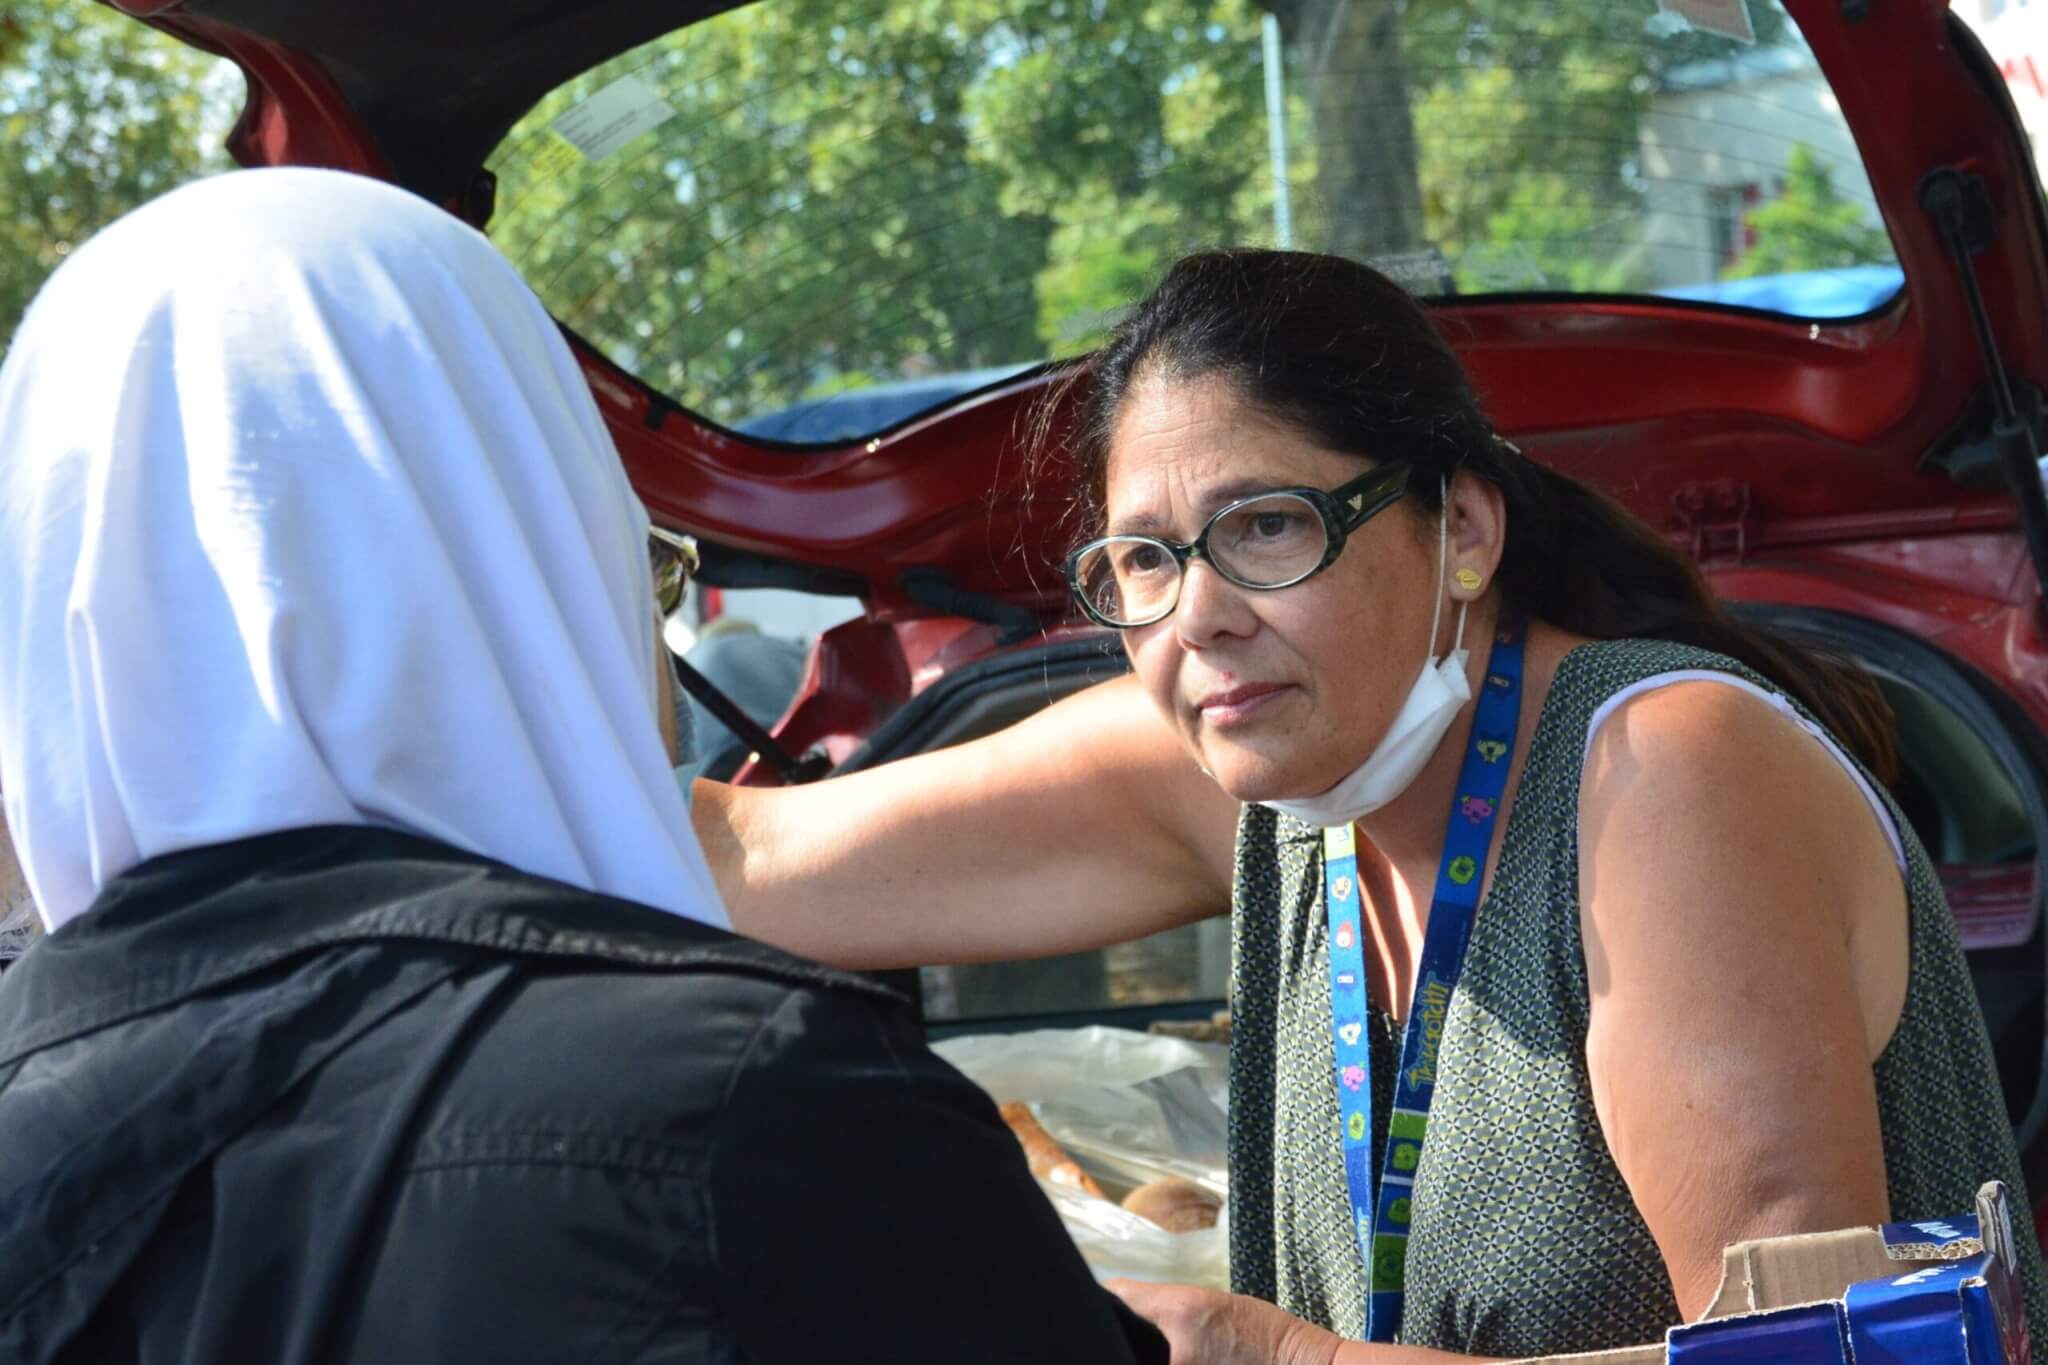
pixel 1524 1239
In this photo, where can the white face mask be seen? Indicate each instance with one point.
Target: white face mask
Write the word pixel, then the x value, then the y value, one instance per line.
pixel 1433 703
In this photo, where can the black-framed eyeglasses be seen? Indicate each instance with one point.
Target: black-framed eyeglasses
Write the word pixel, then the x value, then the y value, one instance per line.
pixel 1269 540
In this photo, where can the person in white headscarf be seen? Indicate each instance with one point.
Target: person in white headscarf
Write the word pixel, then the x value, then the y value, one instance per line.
pixel 387 1011
pixel 449 631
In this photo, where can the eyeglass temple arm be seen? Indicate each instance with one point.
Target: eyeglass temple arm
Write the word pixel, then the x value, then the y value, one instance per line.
pixel 1396 484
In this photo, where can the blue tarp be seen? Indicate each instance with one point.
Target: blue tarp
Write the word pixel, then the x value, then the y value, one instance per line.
pixel 1819 294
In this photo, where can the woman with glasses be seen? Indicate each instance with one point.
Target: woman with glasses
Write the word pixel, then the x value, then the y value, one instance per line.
pixel 1575 935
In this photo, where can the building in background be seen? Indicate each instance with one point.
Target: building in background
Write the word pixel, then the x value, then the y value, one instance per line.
pixel 1725 140
pixel 1716 146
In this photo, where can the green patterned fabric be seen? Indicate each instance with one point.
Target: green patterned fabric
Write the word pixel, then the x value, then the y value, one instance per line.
pixel 1525 1240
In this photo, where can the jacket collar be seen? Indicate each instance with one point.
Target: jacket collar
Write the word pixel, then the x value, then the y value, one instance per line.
pixel 195 920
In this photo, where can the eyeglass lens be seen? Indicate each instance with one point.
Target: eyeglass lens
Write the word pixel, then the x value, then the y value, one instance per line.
pixel 1266 542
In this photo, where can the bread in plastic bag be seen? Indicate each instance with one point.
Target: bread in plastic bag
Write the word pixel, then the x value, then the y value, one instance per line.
pixel 1130 1108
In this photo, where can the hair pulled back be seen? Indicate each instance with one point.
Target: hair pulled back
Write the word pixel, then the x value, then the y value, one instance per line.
pixel 1348 357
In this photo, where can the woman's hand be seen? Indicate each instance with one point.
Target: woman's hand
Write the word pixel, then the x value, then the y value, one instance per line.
pixel 1205 1327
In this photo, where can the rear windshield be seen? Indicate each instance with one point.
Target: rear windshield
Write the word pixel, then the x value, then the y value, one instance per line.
pixel 812 220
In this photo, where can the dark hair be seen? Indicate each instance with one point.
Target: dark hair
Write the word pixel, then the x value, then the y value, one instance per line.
pixel 1344 354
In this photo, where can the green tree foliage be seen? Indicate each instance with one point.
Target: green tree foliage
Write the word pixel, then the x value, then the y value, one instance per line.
pixel 1527 184
pixel 822 195
pixel 939 186
pixel 850 192
pixel 98 113
pixel 1811 225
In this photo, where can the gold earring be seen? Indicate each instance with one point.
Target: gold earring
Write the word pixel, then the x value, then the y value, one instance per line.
pixel 1468 579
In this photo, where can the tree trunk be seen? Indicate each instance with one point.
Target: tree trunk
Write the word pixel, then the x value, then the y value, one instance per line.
pixel 1344 57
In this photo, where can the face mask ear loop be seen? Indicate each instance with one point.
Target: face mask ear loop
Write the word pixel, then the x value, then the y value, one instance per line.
pixel 1443 550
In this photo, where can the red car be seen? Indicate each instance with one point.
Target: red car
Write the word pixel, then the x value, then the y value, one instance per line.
pixel 1777 278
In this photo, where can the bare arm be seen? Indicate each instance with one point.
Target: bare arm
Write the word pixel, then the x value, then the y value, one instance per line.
pixel 1085 825
pixel 1728 865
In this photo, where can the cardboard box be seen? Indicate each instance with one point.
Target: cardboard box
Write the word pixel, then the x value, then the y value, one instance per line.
pixel 1931 1293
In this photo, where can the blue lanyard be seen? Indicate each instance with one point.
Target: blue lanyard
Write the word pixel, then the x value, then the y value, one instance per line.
pixel 1383 1228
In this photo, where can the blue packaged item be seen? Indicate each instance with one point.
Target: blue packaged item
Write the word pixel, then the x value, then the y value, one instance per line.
pixel 1940 1292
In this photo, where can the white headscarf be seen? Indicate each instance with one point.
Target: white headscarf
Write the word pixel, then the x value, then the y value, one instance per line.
pixel 307 517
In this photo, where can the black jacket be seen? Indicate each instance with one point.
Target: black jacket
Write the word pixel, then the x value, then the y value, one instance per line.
pixel 344 1095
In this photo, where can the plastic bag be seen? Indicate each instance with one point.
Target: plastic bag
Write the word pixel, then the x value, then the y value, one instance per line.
pixel 1130 1108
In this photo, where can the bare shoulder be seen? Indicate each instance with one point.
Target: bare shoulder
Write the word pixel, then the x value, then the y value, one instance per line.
pixel 1720 787
pixel 1713 824
pixel 1703 749
pixel 1701 719
pixel 1697 792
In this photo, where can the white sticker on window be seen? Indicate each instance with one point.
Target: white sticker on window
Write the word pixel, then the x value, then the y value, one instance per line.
pixel 1419 272
pixel 1727 18
pixel 613 117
